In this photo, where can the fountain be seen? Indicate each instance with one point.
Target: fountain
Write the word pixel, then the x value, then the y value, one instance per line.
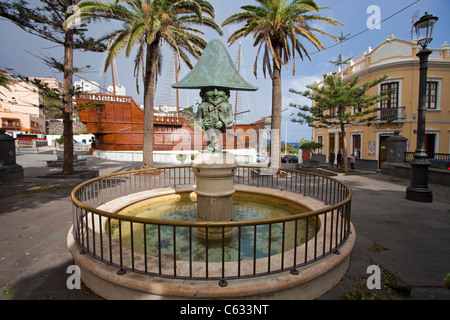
pixel 215 75
pixel 183 207
pixel 178 237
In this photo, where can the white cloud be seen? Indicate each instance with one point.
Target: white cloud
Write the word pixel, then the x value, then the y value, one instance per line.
pixel 299 84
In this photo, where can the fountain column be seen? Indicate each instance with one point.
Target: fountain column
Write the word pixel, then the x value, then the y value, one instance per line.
pixel 214 75
pixel 214 173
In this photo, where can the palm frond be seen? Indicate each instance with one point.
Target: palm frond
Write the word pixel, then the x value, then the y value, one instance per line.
pixel 139 63
pixel 116 46
pixel 280 24
pixel 136 33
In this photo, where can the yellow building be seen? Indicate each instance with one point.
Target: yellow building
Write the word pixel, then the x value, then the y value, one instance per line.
pixel 397 59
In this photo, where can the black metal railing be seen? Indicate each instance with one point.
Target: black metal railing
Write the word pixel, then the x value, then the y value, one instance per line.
pixel 326 230
pixel 392 114
pixel 437 160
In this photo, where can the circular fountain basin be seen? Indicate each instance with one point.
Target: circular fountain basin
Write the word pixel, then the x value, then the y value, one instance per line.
pixel 183 207
pixel 312 281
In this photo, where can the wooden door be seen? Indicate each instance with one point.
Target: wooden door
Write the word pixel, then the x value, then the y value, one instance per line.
pixel 430 143
pixel 332 143
pixel 382 150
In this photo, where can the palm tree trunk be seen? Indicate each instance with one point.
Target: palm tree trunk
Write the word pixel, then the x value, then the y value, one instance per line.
pixel 275 140
pixel 67 104
pixel 149 95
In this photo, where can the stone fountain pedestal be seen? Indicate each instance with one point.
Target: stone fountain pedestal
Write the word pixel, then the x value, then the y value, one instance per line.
pixel 214 173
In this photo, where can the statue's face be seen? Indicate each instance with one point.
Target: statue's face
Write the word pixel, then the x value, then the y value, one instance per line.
pixel 215 96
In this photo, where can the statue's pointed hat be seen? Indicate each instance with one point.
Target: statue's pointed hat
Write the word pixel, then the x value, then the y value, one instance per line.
pixel 214 69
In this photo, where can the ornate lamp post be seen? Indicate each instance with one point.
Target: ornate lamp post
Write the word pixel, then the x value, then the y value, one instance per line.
pixel 418 190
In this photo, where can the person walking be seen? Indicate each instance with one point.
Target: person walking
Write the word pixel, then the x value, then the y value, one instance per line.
pixel 331 158
pixel 340 160
pixel 353 161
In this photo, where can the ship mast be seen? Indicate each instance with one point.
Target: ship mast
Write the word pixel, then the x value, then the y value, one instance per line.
pixel 113 81
pixel 176 81
pixel 237 92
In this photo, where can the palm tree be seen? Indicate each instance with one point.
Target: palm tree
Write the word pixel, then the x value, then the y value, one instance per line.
pixel 6 80
pixel 147 23
pixel 278 25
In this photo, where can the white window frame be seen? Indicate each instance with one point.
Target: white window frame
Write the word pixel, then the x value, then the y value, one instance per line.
pixel 436 139
pixel 356 133
pixel 387 132
pixel 400 91
pixel 438 93
pixel 320 150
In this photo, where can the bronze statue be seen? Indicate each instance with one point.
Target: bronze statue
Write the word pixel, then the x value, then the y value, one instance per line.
pixel 215 112
pixel 215 75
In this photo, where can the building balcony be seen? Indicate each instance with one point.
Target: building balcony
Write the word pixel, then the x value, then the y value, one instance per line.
pixel 391 114
pixel 11 127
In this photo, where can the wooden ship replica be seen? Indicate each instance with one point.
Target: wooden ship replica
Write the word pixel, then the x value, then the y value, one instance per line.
pixel 117 123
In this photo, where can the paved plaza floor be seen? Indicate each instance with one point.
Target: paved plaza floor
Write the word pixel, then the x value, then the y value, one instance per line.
pixel 410 241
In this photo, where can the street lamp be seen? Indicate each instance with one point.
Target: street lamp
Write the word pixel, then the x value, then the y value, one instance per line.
pixel 418 190
pixel 424 29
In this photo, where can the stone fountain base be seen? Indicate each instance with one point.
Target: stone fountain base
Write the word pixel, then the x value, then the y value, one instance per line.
pixel 311 282
pixel 214 179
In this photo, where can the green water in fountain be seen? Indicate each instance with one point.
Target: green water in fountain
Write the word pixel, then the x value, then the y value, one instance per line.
pixel 187 241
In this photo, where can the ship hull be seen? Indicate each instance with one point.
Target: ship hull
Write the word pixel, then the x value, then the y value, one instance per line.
pixel 117 124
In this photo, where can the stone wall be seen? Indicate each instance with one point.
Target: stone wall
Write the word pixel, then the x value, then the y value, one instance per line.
pixel 402 170
pixel 56 127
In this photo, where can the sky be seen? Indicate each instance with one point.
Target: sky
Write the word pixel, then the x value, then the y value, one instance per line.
pixel 359 18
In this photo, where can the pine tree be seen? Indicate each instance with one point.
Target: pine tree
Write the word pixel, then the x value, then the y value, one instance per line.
pixel 340 103
pixel 48 22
